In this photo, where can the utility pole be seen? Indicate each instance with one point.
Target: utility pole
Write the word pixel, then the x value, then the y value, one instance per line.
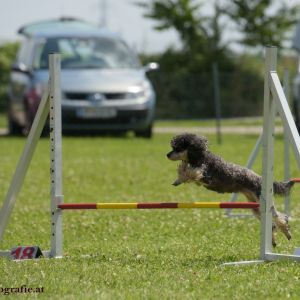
pixel 102 13
pixel 216 81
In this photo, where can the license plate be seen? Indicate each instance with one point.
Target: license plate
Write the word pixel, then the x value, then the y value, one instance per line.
pixel 96 112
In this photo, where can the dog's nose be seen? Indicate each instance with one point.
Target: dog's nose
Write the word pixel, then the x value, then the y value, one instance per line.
pixel 168 155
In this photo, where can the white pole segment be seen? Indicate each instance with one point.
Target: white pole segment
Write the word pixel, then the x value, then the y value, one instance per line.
pixel 278 256
pixel 24 161
pixel 287 173
pixel 272 93
pixel 266 199
pixel 254 153
pixel 285 114
pixel 55 156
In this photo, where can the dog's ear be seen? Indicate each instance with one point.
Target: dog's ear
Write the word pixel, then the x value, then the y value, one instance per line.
pixel 198 143
pixel 179 142
pixel 197 146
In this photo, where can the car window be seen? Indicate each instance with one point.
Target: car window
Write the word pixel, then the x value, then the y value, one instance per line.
pixel 59 26
pixel 86 53
pixel 25 53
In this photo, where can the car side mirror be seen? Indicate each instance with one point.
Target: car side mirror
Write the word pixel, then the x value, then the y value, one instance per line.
pixel 152 66
pixel 21 68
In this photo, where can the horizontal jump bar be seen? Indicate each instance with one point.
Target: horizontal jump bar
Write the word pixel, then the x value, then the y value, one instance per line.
pixel 158 205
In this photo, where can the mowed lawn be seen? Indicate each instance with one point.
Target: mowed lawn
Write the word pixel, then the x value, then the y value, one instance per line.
pixel 130 254
pixel 3 120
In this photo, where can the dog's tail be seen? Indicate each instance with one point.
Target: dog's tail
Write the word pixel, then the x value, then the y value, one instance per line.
pixel 284 188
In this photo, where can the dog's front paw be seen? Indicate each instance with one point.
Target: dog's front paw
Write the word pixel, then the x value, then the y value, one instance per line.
pixel 176 182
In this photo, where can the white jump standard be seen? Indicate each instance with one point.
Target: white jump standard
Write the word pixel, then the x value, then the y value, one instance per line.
pixel 51 101
pixel 274 99
pixel 253 157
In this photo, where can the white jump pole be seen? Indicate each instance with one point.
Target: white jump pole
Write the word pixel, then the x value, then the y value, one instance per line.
pixel 24 162
pixel 287 173
pixel 55 156
pixel 266 199
pixel 51 100
pixel 273 96
pixel 254 154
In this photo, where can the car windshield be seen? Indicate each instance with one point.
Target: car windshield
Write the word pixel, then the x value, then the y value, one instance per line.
pixel 86 53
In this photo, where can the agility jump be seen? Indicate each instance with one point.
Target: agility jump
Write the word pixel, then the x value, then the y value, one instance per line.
pixel 159 205
pixel 51 101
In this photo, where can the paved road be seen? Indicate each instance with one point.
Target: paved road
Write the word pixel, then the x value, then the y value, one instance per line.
pixel 212 130
pixel 200 130
pixel 3 131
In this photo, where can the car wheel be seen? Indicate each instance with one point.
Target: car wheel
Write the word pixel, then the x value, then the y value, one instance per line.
pixel 146 133
pixel 13 127
pixel 28 121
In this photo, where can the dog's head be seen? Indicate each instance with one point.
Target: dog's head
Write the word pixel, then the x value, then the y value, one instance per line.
pixel 188 147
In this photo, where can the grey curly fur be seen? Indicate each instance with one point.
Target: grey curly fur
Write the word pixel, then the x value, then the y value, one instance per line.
pixel 219 175
pixel 214 173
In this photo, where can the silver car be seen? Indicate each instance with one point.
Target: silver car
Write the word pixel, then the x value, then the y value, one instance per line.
pixel 103 85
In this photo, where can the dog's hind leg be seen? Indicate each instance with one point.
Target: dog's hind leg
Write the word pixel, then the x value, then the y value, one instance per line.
pixel 251 196
pixel 282 222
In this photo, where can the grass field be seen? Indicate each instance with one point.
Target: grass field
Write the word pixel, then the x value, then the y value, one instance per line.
pixel 3 120
pixel 173 254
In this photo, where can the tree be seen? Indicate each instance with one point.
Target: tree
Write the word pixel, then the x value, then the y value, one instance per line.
pixel 263 22
pixel 260 22
pixel 201 36
pixel 7 55
pixel 184 85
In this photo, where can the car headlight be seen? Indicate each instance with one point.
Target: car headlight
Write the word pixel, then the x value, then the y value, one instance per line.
pixel 140 91
pixel 135 92
pixel 137 95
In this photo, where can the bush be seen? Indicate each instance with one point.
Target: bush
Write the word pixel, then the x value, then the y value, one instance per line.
pixel 184 87
pixel 7 55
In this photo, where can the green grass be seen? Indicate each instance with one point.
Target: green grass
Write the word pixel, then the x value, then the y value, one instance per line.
pixel 3 120
pixel 171 254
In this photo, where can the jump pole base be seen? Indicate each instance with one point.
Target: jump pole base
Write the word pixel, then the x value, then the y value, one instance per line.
pixel 243 263
pixel 268 257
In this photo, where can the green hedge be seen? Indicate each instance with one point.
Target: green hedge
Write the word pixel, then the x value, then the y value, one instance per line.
pixel 186 96
pixel 8 53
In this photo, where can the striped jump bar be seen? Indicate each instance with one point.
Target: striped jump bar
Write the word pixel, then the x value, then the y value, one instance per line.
pixel 159 205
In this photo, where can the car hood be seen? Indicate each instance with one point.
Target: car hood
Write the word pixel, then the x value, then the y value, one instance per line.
pixel 97 80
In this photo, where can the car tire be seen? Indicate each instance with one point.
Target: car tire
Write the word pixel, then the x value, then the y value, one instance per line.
pixel 28 121
pixel 146 133
pixel 13 127
pixel 296 114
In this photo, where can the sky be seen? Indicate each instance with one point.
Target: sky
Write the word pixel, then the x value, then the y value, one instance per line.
pixel 122 16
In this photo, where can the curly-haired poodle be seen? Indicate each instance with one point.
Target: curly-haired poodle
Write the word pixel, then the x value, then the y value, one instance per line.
pixel 211 171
